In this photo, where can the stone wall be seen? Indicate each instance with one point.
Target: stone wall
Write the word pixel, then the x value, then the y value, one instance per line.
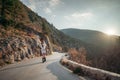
pixel 97 74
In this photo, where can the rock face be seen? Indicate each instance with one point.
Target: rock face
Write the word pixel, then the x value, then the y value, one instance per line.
pixel 19 48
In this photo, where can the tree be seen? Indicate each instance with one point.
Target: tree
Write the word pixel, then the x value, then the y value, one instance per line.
pixel 78 55
pixel 111 60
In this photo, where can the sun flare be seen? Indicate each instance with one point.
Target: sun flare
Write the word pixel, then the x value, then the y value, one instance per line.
pixel 110 32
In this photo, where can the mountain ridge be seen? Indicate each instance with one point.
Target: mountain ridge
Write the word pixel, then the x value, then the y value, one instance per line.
pixel 91 36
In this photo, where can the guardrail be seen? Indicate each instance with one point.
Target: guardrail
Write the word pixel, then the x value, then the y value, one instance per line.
pixel 97 74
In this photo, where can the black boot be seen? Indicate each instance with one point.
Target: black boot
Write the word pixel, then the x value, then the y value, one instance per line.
pixel 43 59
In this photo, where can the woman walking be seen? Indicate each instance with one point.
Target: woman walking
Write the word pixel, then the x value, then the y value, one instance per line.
pixel 43 50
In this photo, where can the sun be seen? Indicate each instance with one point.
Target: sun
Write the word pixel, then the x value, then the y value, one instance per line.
pixel 110 31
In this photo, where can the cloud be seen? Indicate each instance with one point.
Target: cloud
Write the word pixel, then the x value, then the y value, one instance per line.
pixel 50 5
pixel 47 6
pixel 47 10
pixel 82 15
pixel 78 19
pixel 53 3
pixel 79 16
pixel 53 17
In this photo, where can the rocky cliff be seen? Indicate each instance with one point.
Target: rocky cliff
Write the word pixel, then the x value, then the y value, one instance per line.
pixel 19 48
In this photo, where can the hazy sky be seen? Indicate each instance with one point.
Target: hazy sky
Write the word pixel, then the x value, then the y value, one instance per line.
pixel 102 15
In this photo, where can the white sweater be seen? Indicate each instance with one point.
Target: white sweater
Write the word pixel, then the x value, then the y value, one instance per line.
pixel 43 48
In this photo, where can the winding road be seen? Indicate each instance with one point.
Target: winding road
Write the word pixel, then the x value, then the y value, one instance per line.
pixel 34 69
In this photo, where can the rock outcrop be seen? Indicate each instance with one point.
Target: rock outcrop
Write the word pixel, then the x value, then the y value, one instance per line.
pixel 19 48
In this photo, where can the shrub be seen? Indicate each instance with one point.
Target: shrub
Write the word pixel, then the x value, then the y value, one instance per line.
pixel 78 70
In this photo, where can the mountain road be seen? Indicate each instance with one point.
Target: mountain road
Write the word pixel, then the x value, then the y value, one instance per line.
pixel 34 69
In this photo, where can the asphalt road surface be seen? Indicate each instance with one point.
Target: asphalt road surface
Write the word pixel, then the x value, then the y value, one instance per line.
pixel 34 69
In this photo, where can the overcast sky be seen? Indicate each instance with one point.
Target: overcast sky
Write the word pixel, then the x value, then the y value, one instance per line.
pixel 82 14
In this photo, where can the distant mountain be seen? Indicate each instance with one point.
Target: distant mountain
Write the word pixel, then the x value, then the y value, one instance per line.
pixel 92 37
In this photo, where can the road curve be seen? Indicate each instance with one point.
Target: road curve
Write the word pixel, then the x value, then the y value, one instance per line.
pixel 34 69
